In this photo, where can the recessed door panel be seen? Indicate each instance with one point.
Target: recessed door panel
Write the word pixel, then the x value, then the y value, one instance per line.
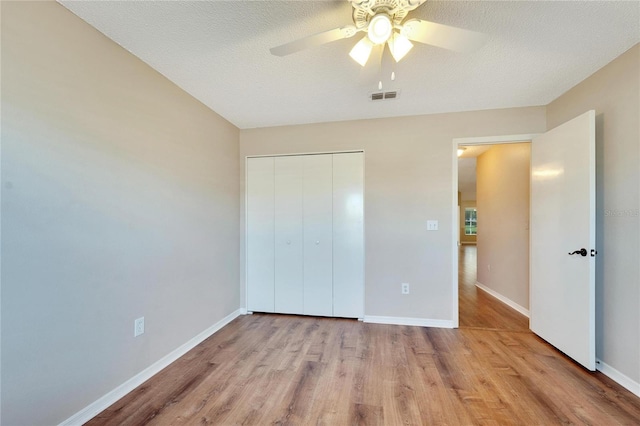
pixel 288 235
pixel 318 235
pixel 348 235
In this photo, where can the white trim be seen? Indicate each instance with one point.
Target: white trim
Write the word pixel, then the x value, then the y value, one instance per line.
pixel 245 233
pixel 294 154
pixel 455 220
pixel 96 407
pixel 524 311
pixel 490 140
pixel 419 322
pixel 364 237
pixel 623 380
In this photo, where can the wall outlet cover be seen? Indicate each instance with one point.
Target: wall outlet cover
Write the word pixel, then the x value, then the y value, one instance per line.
pixel 138 327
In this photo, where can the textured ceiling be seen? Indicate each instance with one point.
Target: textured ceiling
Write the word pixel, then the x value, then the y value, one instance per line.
pixel 218 51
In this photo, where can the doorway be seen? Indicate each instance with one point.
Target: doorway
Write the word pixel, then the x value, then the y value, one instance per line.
pixel 492 277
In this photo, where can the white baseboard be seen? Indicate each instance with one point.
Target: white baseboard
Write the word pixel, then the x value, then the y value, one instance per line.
pixel 107 400
pixel 618 377
pixel 524 311
pixel 419 322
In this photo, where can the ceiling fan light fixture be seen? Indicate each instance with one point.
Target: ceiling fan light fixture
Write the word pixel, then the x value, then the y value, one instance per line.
pixel 361 51
pixel 380 28
pixel 399 46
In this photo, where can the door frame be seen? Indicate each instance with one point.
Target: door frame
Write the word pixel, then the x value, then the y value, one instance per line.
pixel 244 282
pixel 470 141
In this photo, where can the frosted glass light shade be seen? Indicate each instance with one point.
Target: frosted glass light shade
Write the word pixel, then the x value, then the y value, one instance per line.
pixel 361 51
pixel 399 46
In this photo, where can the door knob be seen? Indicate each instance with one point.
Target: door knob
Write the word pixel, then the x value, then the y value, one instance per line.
pixel 317 242
pixel 582 252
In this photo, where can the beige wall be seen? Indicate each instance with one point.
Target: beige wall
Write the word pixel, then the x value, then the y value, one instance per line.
pixel 502 192
pixel 467 239
pixel 120 200
pixel 408 180
pixel 614 93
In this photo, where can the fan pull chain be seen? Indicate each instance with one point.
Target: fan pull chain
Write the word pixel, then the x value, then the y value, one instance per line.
pixel 393 78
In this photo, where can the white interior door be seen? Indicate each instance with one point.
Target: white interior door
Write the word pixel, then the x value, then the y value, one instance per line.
pixel 260 234
pixel 288 235
pixel 562 287
pixel 318 235
pixel 348 235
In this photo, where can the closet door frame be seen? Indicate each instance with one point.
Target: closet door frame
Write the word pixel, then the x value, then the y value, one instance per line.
pixel 246 310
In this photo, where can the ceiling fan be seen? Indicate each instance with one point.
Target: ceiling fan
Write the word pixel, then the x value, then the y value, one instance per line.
pixel 381 20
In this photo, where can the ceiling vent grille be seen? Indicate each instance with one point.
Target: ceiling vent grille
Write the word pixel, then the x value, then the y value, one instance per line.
pixel 381 96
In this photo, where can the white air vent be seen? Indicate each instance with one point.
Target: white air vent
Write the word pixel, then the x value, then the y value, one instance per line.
pixel 381 96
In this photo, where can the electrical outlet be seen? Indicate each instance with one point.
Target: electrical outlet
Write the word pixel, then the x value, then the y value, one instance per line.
pixel 405 288
pixel 138 327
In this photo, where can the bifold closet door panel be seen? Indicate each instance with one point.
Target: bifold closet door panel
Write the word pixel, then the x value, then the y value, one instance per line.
pixel 260 234
pixel 348 235
pixel 288 235
pixel 318 235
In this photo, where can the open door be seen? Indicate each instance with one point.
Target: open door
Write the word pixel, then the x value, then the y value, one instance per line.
pixel 562 264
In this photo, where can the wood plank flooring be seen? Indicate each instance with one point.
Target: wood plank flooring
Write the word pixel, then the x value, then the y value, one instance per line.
pixel 290 370
pixel 477 308
pixel 279 369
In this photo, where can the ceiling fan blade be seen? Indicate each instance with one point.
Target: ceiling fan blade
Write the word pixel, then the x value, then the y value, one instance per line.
pixel 314 40
pixel 444 36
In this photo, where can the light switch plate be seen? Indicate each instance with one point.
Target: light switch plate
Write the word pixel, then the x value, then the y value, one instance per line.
pixel 432 225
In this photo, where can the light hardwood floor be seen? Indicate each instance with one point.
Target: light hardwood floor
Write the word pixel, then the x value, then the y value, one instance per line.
pixel 280 369
pixel 477 308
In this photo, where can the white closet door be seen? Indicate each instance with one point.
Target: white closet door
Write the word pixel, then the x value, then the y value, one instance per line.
pixel 288 235
pixel 348 235
pixel 318 233
pixel 260 234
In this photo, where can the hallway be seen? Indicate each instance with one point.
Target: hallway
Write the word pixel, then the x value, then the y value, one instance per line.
pixel 477 308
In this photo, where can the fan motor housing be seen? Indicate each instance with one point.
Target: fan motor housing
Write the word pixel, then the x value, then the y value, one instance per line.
pixel 364 10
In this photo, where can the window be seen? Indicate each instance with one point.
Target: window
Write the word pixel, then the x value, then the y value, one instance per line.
pixel 470 221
